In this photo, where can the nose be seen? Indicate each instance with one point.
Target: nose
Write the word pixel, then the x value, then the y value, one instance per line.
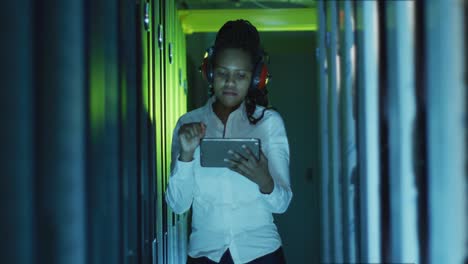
pixel 230 79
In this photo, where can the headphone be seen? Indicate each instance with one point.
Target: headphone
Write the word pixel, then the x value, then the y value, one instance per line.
pixel 260 75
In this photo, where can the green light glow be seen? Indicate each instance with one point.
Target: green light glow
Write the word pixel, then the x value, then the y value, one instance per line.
pixel 287 19
pixel 123 96
pixel 97 93
pixel 145 77
pixel 149 101
pixel 165 97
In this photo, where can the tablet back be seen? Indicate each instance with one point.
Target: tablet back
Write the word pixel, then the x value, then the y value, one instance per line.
pixel 213 151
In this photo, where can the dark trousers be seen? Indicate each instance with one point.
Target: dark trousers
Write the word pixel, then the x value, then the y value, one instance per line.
pixel 276 257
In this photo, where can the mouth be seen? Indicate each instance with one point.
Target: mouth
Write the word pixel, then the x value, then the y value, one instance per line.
pixel 230 93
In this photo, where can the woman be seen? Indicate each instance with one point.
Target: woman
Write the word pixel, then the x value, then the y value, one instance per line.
pixel 232 207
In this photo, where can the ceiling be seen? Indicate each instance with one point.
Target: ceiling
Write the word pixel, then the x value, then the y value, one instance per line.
pixel 267 15
pixel 244 4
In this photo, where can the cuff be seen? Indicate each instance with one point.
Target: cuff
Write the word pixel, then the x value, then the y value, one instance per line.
pixel 278 200
pixel 183 169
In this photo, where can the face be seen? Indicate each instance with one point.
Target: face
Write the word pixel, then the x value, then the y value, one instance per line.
pixel 232 76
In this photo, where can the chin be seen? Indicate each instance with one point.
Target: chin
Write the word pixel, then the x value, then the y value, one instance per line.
pixel 231 103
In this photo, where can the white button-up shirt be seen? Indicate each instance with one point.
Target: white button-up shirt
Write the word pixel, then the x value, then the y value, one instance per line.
pixel 228 210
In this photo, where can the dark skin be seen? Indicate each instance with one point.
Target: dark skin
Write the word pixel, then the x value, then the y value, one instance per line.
pixel 231 84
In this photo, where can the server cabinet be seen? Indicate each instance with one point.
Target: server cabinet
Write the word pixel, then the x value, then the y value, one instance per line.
pixel 164 101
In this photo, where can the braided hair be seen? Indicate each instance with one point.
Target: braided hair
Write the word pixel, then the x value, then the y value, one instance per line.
pixel 241 34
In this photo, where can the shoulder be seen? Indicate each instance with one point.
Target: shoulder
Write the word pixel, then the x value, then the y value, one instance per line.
pixel 270 116
pixel 195 115
pixel 190 117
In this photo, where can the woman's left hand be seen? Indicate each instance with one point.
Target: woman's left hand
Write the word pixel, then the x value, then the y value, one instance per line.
pixel 253 169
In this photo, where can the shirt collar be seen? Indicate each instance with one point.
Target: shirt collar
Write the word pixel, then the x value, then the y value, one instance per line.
pixel 239 111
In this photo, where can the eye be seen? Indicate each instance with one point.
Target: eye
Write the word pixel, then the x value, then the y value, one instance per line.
pixel 220 73
pixel 241 75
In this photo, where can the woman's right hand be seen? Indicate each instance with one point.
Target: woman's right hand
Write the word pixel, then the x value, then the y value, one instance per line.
pixel 189 138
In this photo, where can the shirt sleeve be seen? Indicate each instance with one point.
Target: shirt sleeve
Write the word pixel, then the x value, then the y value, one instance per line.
pixel 179 192
pixel 277 152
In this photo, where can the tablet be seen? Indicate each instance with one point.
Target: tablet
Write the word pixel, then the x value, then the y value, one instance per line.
pixel 213 151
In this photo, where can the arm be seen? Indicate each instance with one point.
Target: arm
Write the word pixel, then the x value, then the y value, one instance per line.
pixel 179 193
pixel 277 152
pixel 271 171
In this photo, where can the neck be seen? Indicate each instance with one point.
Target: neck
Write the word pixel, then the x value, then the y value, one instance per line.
pixel 223 112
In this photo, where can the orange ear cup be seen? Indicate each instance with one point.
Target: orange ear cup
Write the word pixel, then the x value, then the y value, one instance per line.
pixel 260 75
pixel 206 67
pixel 263 80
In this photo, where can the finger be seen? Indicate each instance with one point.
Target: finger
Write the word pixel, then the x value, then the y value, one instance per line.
pixel 190 132
pixel 238 156
pixel 198 130
pixel 247 164
pixel 233 165
pixel 251 156
pixel 241 164
pixel 237 167
pixel 186 132
pixel 262 156
pixel 195 131
pixel 182 130
pixel 244 168
pixel 203 128
pixel 197 127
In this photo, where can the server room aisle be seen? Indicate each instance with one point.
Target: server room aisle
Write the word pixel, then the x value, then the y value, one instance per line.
pixel 373 95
